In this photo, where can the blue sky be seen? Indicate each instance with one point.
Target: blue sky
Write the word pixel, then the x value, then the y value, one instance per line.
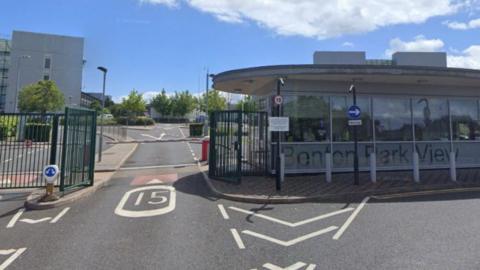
pixel 153 44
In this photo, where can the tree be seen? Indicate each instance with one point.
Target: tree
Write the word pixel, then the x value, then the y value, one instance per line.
pixel 183 103
pixel 43 96
pixel 108 102
pixel 162 103
pixel 95 105
pixel 134 104
pixel 247 104
pixel 216 102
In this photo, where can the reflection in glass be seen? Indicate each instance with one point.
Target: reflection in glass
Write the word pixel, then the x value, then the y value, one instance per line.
pixel 392 119
pixel 341 132
pixel 465 125
pixel 309 118
pixel 430 117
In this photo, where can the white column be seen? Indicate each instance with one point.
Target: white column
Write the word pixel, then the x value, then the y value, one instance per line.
pixel 328 167
pixel 373 167
pixel 453 167
pixel 416 167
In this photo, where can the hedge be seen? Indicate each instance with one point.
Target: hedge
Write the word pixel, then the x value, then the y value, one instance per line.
pixel 37 132
pixel 196 130
pixel 137 121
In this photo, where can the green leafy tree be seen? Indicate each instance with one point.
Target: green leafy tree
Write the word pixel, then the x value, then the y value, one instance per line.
pixel 43 96
pixel 95 105
pixel 183 103
pixel 162 103
pixel 247 104
pixel 134 104
pixel 216 102
pixel 117 110
pixel 108 102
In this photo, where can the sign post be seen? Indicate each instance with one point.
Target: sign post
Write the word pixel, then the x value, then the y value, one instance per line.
pixel 354 113
pixel 279 101
pixel 50 173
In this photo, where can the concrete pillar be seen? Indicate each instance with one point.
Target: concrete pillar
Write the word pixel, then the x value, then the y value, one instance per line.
pixel 416 168
pixel 328 167
pixel 373 167
pixel 453 167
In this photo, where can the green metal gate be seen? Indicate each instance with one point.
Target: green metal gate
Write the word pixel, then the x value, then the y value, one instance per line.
pixel 78 152
pixel 238 145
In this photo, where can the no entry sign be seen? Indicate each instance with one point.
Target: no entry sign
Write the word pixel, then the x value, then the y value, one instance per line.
pixel 278 100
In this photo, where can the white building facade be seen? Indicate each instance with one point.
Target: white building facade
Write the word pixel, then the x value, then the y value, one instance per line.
pixel 35 57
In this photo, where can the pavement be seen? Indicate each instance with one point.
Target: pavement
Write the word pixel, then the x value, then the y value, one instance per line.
pixel 165 217
pixel 304 188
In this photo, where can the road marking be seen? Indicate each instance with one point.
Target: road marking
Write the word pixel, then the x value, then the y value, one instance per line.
pixel 15 218
pixel 294 266
pixel 293 241
pixel 158 166
pixel 286 223
pixel 34 221
pixel 139 199
pixel 184 137
pixel 60 215
pixel 223 212
pixel 237 238
pixel 146 213
pixel 12 258
pixel 347 223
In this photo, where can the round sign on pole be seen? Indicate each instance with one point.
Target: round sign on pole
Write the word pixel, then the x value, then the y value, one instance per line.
pixel 278 100
pixel 354 112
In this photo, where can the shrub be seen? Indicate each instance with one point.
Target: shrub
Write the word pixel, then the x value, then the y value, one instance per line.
pixel 8 125
pixel 196 129
pixel 37 132
pixel 138 121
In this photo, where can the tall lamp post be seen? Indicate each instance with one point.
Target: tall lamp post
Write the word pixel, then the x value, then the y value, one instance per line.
pixel 207 82
pixel 104 70
pixel 19 63
pixel 356 180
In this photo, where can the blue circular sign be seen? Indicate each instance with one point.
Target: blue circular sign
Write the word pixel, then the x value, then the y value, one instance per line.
pixel 50 171
pixel 354 112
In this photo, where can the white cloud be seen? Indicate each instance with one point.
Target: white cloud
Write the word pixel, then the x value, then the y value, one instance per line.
pixel 469 58
pixel 419 44
pixel 322 19
pixel 463 25
pixel 348 44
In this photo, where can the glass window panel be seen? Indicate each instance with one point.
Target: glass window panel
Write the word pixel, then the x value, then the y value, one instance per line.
pixel 309 118
pixel 341 132
pixel 430 117
pixel 392 119
pixel 464 114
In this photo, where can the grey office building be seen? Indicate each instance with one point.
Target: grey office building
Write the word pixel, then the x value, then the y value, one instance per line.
pixel 34 57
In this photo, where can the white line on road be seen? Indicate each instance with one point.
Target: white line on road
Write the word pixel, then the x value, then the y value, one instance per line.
pixel 295 266
pixel 34 221
pixel 15 218
pixel 139 199
pixel 350 219
pixel 155 167
pixel 12 258
pixel 286 223
pixel 60 215
pixel 184 137
pixel 293 241
pixel 237 238
pixel 223 212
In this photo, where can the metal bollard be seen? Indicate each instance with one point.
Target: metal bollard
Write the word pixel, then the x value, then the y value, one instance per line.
pixel 416 169
pixel 453 167
pixel 328 167
pixel 373 167
pixel 282 167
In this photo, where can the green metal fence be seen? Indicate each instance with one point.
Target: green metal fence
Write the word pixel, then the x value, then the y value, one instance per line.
pixel 30 141
pixel 238 145
pixel 78 154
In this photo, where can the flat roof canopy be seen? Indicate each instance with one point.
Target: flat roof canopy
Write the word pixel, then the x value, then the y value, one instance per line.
pixel 256 81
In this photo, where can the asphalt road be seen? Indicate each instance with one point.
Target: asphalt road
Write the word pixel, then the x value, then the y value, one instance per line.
pixel 165 218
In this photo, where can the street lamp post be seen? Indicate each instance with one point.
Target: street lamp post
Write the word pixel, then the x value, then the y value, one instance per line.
pixel 207 82
pixel 19 62
pixel 278 182
pixel 104 70
pixel 356 180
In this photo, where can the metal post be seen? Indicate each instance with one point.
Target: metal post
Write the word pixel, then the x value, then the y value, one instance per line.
pixel 53 144
pixel 278 158
pixel 355 139
pixel 207 81
pixel 100 146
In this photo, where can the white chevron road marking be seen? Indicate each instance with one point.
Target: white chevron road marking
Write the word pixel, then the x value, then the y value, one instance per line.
pixel 13 257
pixel 293 241
pixel 286 223
pixel 34 221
